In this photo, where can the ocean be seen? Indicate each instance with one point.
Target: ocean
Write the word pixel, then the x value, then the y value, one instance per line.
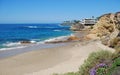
pixel 12 34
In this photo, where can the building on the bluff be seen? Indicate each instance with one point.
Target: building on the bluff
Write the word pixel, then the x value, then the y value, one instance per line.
pixel 89 22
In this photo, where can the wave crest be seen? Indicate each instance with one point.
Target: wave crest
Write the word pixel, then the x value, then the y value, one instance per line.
pixel 57 30
pixel 31 26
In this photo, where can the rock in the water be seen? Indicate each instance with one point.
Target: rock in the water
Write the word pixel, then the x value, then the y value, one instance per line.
pixel 25 42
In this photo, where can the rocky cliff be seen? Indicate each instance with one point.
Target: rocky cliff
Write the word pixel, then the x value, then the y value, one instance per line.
pixel 107 28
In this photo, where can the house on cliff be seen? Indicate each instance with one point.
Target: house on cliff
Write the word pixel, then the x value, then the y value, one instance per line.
pixel 89 22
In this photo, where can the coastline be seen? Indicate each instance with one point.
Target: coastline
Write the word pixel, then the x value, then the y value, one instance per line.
pixel 59 58
pixel 52 60
pixel 48 43
pixel 18 36
pixel 22 48
pixel 14 52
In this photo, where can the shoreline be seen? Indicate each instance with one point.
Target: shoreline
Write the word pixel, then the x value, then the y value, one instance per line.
pixel 49 43
pixel 52 60
pixel 30 34
pixel 14 52
pixel 60 59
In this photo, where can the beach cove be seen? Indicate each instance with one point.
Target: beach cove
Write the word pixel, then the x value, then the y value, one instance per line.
pixel 59 37
pixel 60 59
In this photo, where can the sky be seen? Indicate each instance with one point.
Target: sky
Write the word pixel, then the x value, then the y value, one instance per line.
pixel 54 11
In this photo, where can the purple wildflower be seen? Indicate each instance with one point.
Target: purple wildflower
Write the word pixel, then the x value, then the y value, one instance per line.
pixel 101 65
pixel 93 71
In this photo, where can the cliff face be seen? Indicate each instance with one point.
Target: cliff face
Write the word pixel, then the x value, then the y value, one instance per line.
pixel 117 20
pixel 107 28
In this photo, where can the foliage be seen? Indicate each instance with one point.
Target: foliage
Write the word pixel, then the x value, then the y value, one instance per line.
pixel 114 66
pixel 93 59
pixel 101 71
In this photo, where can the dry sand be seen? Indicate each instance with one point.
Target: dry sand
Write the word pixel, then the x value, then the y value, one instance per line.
pixel 48 61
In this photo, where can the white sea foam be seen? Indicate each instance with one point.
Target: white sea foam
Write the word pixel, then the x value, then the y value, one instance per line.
pixel 31 26
pixel 11 48
pixel 17 45
pixel 58 38
pixel 10 44
pixel 57 30
pixel 38 27
pixel 32 41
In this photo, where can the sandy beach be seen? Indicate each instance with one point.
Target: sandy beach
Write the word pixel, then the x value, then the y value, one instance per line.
pixel 59 37
pixel 48 61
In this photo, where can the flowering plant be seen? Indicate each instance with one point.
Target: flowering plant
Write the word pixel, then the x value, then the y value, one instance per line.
pixel 100 68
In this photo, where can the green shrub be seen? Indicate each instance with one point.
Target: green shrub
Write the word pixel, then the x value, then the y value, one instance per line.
pixel 94 59
pixel 113 69
pixel 102 71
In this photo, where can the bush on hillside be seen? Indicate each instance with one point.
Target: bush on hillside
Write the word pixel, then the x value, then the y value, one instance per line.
pixel 94 59
pixel 114 69
pixel 99 63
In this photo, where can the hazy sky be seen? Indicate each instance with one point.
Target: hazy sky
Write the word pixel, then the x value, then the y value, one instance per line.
pixel 50 11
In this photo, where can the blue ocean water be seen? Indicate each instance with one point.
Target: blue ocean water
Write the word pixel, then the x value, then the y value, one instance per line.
pixel 11 34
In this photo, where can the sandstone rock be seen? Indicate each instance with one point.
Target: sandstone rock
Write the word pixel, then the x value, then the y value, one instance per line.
pixel 92 36
pixel 117 20
pixel 73 38
pixel 115 42
pixel 25 42
pixel 77 27
pixel 106 28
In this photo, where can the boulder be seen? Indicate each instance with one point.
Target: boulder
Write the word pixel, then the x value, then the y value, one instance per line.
pixel 73 38
pixel 25 42
pixel 77 27
pixel 91 36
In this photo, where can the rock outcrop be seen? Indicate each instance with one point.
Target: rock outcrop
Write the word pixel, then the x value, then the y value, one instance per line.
pixel 25 42
pixel 73 38
pixel 77 27
pixel 107 28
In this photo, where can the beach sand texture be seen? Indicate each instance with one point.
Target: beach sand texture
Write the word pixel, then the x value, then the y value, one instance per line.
pixel 48 61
